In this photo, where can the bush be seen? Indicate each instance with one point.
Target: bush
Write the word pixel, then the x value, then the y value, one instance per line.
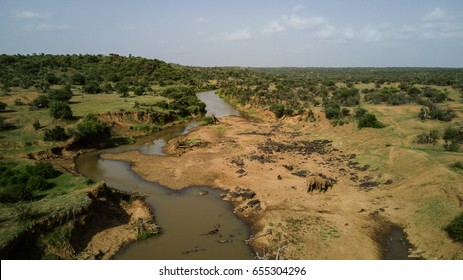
pixel 455 228
pixel 18 184
pixel 63 94
pixel 278 109
pixel 36 124
pixel 56 134
pixel 42 169
pixel 333 111
pixel 91 131
pixel 42 101
pixel 2 106
pixel 360 112
pixel 60 110
pixel 369 120
pixel 453 134
pixel 208 120
pixel 92 87
pixel 345 112
pixel 428 138
pixel 457 165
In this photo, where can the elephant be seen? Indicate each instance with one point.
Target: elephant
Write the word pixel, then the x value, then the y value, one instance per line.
pixel 318 183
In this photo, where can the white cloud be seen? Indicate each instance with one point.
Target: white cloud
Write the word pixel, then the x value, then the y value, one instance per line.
pixel 273 27
pixel 238 35
pixel 30 15
pixel 436 15
pixel 299 8
pixel 331 34
pixel 327 31
pixel 371 35
pixel 439 25
pixel 200 20
pixel 45 27
pixel 303 23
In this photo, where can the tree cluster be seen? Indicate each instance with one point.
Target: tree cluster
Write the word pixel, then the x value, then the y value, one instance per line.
pixel 20 183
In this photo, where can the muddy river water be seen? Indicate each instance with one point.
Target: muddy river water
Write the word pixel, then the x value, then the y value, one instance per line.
pixel 185 217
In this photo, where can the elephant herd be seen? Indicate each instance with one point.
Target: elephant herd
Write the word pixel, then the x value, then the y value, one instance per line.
pixel 318 183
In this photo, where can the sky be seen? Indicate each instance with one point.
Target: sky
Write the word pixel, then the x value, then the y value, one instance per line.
pixel 304 33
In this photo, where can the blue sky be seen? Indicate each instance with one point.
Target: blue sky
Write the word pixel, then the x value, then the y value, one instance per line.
pixel 242 32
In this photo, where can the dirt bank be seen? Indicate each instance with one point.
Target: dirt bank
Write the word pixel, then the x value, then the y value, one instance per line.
pixel 111 220
pixel 264 166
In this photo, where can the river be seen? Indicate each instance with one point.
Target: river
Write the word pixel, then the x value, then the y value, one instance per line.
pixel 184 216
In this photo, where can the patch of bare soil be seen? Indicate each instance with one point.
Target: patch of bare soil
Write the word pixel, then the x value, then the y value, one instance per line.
pixel 264 167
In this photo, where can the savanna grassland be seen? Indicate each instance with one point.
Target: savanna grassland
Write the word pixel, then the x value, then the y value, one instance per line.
pixel 388 139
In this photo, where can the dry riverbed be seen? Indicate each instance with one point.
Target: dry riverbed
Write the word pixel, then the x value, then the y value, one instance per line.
pixel 264 165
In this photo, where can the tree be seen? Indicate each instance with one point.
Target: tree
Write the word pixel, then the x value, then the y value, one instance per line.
pixel 92 87
pixel 63 94
pixel 42 101
pixel 122 89
pixel 91 131
pixel 278 109
pixel 36 124
pixel 56 134
pixel 60 110
pixel 455 228
pixel 369 120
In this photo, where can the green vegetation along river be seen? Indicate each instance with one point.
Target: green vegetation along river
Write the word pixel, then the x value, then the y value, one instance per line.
pixel 186 218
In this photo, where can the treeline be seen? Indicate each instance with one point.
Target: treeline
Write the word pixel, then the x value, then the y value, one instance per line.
pixel 96 73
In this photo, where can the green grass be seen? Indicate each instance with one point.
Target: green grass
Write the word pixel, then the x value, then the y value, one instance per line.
pixel 18 217
pixel 25 139
pixel 84 104
pixel 435 211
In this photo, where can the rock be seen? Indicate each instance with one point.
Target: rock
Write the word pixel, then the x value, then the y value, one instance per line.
pixel 279 177
pixel 240 171
pixel 201 193
pixel 288 167
pixel 254 203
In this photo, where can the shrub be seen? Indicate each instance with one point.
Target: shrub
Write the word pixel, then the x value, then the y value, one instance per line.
pixel 56 134
pixel 91 131
pixel 345 112
pixel 63 94
pixel 36 124
pixel 457 165
pixel 92 87
pixel 455 228
pixel 428 138
pixel 42 101
pixel 18 184
pixel 278 109
pixel 360 112
pixel 60 110
pixel 369 120
pixel 208 120
pixel 333 111
pixel 42 169
pixel 453 134
pixel 2 106
pixel 37 183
